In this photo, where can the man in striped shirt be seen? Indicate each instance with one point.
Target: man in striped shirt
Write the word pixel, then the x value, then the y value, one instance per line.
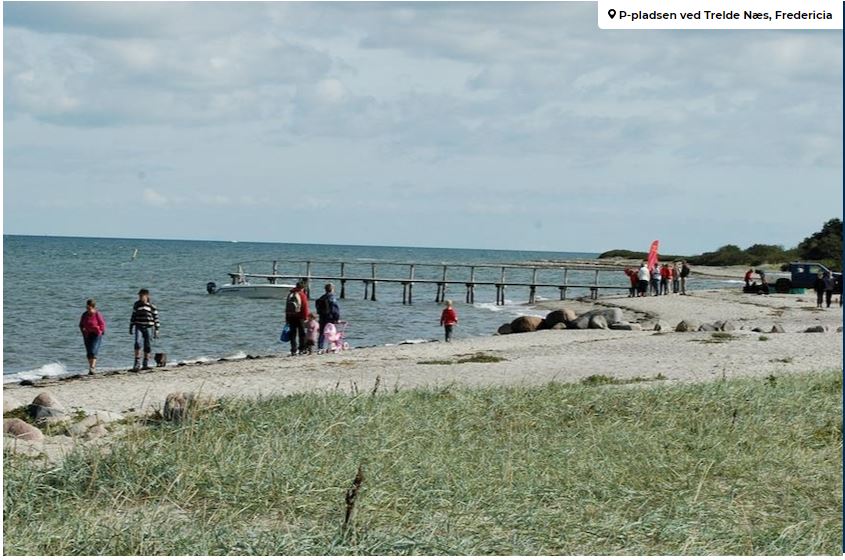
pixel 144 319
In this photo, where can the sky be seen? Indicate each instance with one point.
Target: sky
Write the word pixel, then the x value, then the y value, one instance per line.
pixel 470 125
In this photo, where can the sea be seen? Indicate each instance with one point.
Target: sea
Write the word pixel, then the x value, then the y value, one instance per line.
pixel 46 281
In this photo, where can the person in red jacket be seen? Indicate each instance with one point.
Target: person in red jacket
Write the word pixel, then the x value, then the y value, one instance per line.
pixel 748 277
pixel 632 276
pixel 296 313
pixel 93 327
pixel 448 320
pixel 665 278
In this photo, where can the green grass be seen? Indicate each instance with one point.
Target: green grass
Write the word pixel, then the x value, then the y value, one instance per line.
pixel 594 380
pixel 749 466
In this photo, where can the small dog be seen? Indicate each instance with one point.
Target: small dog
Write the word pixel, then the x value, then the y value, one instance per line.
pixel 161 359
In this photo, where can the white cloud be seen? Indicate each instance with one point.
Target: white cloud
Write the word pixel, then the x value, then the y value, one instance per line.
pixel 154 198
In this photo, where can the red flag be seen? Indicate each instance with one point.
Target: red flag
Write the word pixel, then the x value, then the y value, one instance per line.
pixel 652 254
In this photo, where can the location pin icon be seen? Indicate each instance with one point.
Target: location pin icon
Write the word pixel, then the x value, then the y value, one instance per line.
pixel 611 13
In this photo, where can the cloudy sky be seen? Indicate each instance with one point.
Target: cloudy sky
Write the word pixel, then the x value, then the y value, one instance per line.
pixel 500 125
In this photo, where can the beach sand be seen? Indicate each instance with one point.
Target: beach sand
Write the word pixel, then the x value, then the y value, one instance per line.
pixel 528 359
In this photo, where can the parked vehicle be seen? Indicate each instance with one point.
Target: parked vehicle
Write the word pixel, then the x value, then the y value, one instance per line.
pixel 801 275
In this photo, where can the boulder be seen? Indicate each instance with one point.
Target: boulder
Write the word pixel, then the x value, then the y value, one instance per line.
pixel 662 326
pixel 625 326
pixel 839 329
pixel 505 329
pixel 526 324
pixel 727 326
pixel 756 329
pixel 45 406
pixel 686 326
pixel 560 316
pixel 708 327
pixel 180 405
pixel 96 431
pixel 598 322
pixel 777 328
pixel 611 315
pixel 815 329
pixel 18 428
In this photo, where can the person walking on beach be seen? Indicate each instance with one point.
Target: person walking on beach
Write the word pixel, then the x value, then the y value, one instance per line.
pixel 818 286
pixel 93 327
pixel 829 285
pixel 643 276
pixel 448 320
pixel 144 318
pixel 296 312
pixel 328 311
pixel 684 275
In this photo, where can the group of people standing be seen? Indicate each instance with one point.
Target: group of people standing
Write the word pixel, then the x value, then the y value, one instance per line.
pixel 307 329
pixel 656 281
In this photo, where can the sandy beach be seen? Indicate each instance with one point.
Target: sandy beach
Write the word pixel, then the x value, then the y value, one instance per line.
pixel 528 359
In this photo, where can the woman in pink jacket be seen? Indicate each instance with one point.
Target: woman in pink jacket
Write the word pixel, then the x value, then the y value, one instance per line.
pixel 93 327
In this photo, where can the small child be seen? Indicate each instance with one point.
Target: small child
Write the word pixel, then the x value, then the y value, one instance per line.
pixel 448 320
pixel 312 333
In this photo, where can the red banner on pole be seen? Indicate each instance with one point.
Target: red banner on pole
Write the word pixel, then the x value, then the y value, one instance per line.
pixel 652 254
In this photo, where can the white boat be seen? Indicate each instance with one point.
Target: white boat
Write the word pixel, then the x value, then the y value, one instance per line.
pixel 271 291
pixel 241 286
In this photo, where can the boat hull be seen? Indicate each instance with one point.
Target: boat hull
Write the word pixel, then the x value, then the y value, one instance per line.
pixel 255 291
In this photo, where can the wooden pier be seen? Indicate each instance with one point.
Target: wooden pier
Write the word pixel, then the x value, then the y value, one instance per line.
pixel 443 276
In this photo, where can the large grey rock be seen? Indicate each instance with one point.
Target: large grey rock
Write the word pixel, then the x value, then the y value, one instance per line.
pixel 18 428
pixel 178 406
pixel 815 329
pixel 526 324
pixel 727 326
pixel 45 408
pixel 505 329
pixel 687 326
pixel 777 328
pixel 756 329
pixel 839 329
pixel 558 316
pixel 662 326
pixel 708 327
pixel 598 322
pixel 611 315
pixel 625 326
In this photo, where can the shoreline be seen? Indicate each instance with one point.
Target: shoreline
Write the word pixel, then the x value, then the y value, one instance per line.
pixel 539 308
pixel 523 359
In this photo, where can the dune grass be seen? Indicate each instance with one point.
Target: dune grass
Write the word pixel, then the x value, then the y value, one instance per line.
pixel 749 466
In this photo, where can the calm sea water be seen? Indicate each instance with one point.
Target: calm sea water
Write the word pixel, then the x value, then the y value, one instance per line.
pixel 48 279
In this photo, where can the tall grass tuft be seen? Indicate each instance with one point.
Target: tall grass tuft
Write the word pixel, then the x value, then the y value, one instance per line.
pixel 734 467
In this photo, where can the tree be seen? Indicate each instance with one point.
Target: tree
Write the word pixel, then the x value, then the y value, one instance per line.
pixel 824 245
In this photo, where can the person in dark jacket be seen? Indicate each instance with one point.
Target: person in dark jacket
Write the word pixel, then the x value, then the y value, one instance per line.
pixel 818 286
pixel 328 311
pixel 144 319
pixel 829 285
pixel 685 272
pixel 296 313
